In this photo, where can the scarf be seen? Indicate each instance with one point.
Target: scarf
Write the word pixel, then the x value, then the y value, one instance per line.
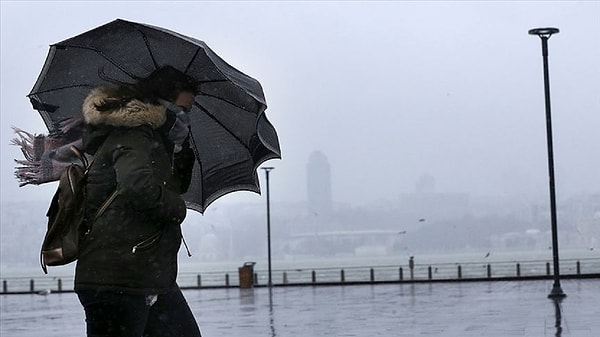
pixel 47 156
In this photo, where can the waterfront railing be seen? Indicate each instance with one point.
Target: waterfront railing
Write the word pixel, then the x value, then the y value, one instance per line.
pixel 439 272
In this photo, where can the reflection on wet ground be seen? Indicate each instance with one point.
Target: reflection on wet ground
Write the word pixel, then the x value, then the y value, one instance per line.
pixel 500 309
pixel 557 315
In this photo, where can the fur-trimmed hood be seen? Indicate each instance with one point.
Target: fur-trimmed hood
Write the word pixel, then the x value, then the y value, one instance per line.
pixel 134 113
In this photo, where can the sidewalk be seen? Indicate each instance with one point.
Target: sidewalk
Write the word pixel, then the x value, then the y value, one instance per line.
pixel 479 309
pixel 454 309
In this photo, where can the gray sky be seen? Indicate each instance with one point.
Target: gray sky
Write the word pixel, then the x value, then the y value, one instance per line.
pixel 388 91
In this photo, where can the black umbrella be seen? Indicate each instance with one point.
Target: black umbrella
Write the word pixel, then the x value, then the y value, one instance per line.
pixel 231 135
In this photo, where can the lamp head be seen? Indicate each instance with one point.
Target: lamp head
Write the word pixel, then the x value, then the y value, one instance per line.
pixel 543 32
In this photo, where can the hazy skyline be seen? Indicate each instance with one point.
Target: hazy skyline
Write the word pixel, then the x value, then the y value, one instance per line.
pixel 388 91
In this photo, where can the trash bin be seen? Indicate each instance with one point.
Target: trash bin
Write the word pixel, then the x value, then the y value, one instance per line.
pixel 246 274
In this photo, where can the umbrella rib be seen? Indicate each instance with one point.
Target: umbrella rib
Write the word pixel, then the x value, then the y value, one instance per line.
pixel 213 81
pixel 222 125
pixel 209 81
pixel 61 88
pixel 226 101
pixel 145 38
pixel 191 61
pixel 106 57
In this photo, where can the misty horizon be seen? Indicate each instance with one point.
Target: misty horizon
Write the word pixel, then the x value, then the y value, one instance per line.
pixel 388 92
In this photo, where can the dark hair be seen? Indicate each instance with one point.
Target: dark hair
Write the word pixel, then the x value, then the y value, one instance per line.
pixel 165 83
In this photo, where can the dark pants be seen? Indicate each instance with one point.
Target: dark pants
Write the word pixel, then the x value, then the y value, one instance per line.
pixel 112 314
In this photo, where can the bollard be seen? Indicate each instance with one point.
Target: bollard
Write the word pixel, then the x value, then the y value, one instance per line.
pixel 489 271
pixel 459 272
pixel 255 278
pixel 31 285
pixel 4 286
pixel 285 280
pixel 429 272
pixel 518 269
pixel 199 281
pixel 59 284
pixel 227 280
pixel 578 268
pixel 548 268
pixel 342 276
pixel 314 277
pixel 372 275
pixel 400 276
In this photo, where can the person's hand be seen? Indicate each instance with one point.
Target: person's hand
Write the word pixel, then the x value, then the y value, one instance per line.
pixel 180 129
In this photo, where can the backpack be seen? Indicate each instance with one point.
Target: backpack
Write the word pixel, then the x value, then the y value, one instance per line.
pixel 67 225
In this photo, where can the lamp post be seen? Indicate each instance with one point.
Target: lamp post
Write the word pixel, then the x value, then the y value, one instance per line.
pixel 544 34
pixel 267 170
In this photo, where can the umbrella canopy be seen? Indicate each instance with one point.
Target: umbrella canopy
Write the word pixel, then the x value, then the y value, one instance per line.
pixel 230 133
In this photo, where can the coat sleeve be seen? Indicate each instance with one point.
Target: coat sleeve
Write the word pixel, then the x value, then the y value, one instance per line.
pixel 138 182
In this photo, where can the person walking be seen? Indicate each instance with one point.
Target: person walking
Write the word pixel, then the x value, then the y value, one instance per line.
pixel 126 272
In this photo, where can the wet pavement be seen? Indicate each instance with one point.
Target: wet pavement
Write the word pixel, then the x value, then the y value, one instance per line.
pixel 500 308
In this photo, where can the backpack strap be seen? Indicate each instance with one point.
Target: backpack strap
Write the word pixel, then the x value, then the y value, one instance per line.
pixel 82 157
pixel 101 210
pixel 105 205
pixel 86 167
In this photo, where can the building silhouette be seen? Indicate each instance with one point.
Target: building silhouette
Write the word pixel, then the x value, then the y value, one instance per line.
pixel 318 180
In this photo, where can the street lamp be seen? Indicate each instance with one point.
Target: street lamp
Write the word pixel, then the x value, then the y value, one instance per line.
pixel 267 170
pixel 544 34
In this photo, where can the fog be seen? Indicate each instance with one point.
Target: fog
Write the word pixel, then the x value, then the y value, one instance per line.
pixel 388 92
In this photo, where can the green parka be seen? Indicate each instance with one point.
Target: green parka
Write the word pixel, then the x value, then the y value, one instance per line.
pixel 133 246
